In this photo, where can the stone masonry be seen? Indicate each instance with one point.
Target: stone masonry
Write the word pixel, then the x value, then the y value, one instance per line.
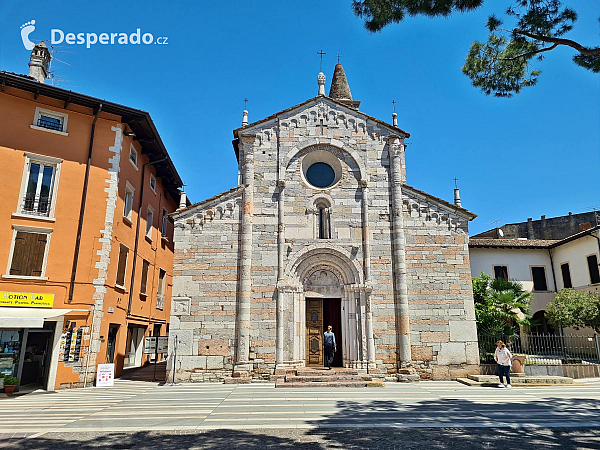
pixel 397 258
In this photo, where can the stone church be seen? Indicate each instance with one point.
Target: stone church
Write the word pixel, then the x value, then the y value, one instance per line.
pixel 321 230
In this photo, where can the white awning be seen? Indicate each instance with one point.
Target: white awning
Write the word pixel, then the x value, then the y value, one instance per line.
pixel 30 317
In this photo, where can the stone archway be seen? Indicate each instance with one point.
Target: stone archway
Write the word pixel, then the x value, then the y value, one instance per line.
pixel 323 271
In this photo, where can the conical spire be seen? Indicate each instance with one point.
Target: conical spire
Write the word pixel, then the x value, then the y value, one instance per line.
pixel 340 90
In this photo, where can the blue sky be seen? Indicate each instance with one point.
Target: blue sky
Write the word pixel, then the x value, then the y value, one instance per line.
pixel 536 153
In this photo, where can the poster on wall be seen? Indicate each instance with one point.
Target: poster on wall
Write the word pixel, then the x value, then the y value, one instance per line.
pixel 105 375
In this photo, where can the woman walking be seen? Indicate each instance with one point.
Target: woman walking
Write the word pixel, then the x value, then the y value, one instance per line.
pixel 329 346
pixel 503 357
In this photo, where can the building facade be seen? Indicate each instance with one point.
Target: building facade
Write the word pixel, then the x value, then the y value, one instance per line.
pixel 322 230
pixel 86 241
pixel 543 267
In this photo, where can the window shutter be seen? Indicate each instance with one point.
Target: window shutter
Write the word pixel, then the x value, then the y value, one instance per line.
pixel 144 280
pixel 28 254
pixel 121 266
pixel 593 268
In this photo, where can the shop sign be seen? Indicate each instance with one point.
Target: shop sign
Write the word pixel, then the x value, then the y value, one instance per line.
pixel 105 376
pixel 150 344
pixel 25 299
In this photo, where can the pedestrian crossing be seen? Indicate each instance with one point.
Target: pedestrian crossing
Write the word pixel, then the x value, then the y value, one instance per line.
pixel 135 406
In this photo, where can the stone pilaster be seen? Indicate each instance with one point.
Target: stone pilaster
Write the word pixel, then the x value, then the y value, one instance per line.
pixel 396 149
pixel 280 271
pixel 367 269
pixel 245 264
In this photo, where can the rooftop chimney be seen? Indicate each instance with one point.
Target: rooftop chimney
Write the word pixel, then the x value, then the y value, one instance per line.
pixel 456 191
pixel 530 234
pixel 182 200
pixel 39 62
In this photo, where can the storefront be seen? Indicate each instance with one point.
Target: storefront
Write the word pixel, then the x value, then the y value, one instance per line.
pixel 30 338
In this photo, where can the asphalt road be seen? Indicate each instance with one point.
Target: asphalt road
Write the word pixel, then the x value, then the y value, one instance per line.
pixel 425 415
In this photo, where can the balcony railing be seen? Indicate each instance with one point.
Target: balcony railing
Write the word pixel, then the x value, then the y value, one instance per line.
pixel 39 206
pixel 50 124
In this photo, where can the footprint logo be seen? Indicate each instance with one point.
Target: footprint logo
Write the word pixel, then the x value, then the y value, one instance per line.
pixel 26 30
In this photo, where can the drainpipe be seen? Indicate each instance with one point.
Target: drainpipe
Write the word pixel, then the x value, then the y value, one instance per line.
pixel 553 273
pixel 82 208
pixel 137 232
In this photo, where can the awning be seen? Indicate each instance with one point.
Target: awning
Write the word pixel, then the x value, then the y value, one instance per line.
pixel 30 317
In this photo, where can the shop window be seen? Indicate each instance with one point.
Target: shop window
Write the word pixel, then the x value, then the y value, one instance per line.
pixel 592 261
pixel 29 253
pixel 128 201
pixel 566 275
pixel 160 291
pixel 538 274
pixel 501 272
pixel 144 280
pixel 122 266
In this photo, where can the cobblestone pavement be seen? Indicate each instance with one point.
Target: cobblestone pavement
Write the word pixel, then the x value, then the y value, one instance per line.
pixel 424 415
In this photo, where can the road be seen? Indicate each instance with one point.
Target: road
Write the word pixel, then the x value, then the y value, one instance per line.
pixel 424 415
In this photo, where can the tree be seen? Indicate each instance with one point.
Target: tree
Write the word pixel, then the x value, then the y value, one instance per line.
pixel 500 305
pixel 502 65
pixel 577 309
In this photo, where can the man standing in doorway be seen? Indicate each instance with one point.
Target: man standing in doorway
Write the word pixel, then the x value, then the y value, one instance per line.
pixel 329 346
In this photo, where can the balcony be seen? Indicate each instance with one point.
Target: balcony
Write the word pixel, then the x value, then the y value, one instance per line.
pixel 36 205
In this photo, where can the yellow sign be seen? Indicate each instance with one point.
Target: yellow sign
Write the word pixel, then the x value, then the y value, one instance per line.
pixel 23 299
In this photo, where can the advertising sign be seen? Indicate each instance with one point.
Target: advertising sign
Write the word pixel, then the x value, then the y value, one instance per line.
pixel 105 376
pixel 26 299
pixel 150 344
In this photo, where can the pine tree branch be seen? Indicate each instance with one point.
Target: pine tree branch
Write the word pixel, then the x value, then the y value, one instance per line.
pixel 529 54
pixel 560 41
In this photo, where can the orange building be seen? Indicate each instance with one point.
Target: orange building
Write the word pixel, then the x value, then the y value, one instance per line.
pixel 85 234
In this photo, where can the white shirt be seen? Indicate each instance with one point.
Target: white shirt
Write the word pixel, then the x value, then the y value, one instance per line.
pixel 501 355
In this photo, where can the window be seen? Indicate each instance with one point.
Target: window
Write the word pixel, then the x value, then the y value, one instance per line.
pixel 39 184
pixel 149 222
pixel 592 261
pixel 539 278
pixel 501 272
pixel 144 280
pixel 133 156
pixel 165 223
pixel 122 266
pixel 129 190
pixel 153 183
pixel 322 211
pixel 52 121
pixel 320 175
pixel 29 252
pixel 566 275
pixel 160 292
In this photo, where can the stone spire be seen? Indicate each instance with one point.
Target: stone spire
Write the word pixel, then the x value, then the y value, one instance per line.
pixel 340 90
pixel 39 62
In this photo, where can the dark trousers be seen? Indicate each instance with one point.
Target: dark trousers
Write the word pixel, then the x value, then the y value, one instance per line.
pixel 504 371
pixel 328 350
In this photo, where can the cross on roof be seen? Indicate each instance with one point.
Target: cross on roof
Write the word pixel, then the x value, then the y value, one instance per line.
pixel 338 57
pixel 394 103
pixel 246 103
pixel 321 65
pixel 455 183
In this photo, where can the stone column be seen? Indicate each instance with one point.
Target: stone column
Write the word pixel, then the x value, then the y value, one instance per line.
pixel 280 269
pixel 395 149
pixel 367 262
pixel 245 273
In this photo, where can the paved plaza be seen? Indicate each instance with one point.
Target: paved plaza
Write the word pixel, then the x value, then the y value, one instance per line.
pixel 425 415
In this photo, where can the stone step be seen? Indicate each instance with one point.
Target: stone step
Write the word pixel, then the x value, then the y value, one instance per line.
pixel 317 372
pixel 324 378
pixel 336 383
pixel 521 380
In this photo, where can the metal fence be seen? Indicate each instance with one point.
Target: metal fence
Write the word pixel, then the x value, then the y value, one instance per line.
pixel 544 348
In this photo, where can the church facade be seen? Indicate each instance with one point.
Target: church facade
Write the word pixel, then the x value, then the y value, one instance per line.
pixel 322 230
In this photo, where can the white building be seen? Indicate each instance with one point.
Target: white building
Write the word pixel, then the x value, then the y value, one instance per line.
pixel 544 267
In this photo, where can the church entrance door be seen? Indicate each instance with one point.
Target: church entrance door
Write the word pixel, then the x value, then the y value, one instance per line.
pixel 319 314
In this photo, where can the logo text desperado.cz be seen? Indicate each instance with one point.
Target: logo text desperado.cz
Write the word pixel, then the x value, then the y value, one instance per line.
pixel 89 39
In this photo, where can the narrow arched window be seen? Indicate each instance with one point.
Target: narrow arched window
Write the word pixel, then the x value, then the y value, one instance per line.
pixel 323 218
